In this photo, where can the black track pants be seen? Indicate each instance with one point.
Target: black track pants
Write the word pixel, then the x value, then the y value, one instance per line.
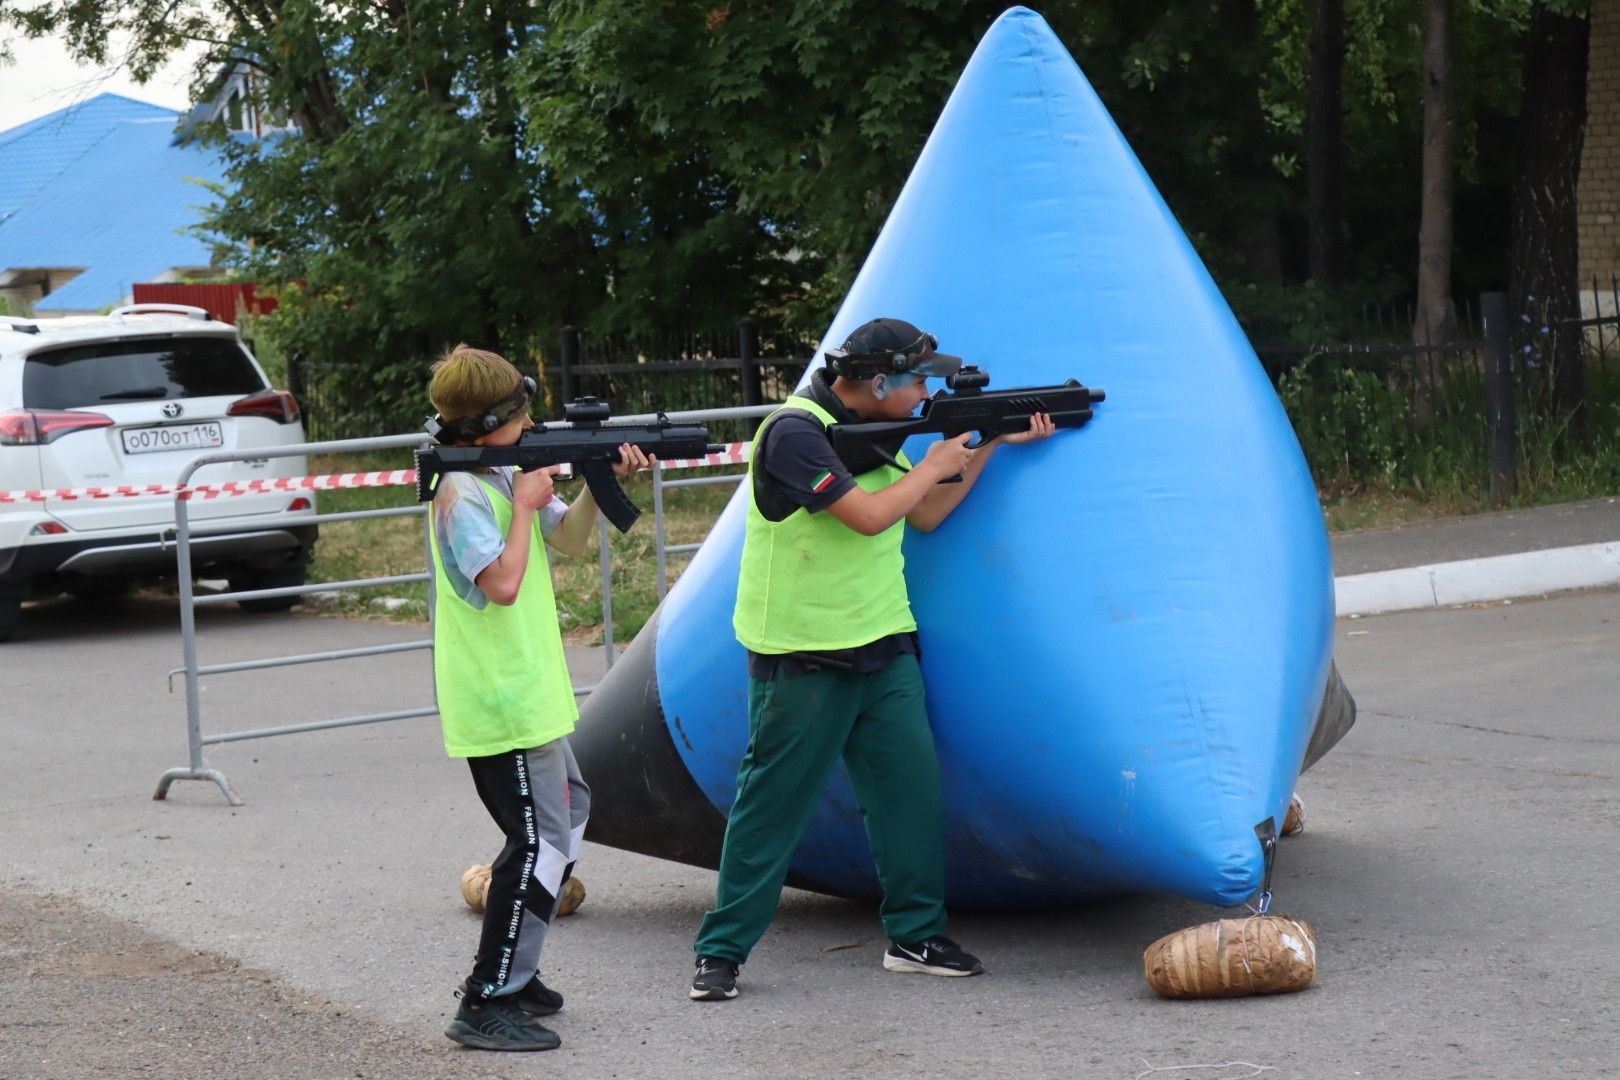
pixel 540 802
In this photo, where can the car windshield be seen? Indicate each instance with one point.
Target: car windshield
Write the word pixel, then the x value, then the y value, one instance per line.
pixel 153 369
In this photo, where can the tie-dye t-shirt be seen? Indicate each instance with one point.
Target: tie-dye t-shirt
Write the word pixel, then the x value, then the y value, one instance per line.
pixel 468 535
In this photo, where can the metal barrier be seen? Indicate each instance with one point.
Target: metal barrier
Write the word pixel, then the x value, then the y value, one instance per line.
pixel 189 601
pixel 660 544
pixel 659 485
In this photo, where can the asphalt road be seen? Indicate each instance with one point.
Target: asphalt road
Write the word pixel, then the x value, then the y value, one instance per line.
pixel 1459 866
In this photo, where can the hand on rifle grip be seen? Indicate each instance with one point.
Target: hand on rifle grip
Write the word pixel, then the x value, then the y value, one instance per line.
pixel 949 457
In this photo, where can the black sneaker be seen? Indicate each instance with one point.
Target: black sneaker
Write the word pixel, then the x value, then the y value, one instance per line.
pixel 938 955
pixel 538 999
pixel 499 1024
pixel 716 979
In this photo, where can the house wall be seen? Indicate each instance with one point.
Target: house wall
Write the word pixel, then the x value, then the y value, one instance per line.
pixel 32 286
pixel 1599 213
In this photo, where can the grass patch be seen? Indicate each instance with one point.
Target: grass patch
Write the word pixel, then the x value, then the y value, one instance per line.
pixel 1382 506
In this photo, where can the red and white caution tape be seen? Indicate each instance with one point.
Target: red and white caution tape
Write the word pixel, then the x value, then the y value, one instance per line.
pixel 734 454
pixel 269 485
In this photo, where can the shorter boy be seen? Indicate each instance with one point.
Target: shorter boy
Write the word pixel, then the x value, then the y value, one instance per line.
pixel 504 693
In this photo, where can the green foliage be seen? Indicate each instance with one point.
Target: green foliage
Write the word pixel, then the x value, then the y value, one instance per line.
pixel 491 173
pixel 1360 431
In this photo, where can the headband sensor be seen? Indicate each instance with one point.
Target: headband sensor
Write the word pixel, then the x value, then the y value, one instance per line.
pixel 469 428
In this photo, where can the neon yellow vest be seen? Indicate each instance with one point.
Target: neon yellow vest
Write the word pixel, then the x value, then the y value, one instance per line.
pixel 810 582
pixel 500 673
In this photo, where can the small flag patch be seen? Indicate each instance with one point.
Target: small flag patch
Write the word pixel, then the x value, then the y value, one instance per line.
pixel 821 483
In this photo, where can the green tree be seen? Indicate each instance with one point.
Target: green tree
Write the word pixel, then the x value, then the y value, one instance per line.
pixel 491 173
pixel 813 112
pixel 414 208
pixel 1544 258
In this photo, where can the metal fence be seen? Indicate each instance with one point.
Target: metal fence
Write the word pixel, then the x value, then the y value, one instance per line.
pixel 1380 394
pixel 1394 340
pixel 677 371
pixel 193 671
pixel 744 363
pixel 1373 393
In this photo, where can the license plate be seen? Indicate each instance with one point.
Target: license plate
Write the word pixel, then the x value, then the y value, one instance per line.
pixel 151 440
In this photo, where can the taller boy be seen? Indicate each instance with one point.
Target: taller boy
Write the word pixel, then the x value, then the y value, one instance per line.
pixel 833 655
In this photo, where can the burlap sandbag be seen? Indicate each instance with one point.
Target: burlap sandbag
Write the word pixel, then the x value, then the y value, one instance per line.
pixel 475 890
pixel 573 895
pixel 1294 821
pixel 475 885
pixel 1263 954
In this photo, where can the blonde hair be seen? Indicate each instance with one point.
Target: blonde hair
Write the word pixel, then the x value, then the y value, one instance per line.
pixel 467 380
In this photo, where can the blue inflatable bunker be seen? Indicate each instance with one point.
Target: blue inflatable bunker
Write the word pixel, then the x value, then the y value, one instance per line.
pixel 1126 629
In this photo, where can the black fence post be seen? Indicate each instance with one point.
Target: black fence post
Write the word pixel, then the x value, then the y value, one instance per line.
pixel 748 365
pixel 568 360
pixel 1500 419
pixel 295 376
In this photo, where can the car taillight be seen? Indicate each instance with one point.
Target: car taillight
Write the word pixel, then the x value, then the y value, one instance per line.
pixel 300 503
pixel 277 405
pixel 35 427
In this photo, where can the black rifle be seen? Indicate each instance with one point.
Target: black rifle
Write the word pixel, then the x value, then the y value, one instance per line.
pixel 584 442
pixel 864 445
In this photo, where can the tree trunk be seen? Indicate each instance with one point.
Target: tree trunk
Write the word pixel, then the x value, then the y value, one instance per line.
pixel 1260 232
pixel 1434 314
pixel 1544 263
pixel 1324 137
pixel 319 115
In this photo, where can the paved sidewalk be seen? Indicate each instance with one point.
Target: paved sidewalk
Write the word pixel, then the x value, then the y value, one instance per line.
pixel 1362 551
pixel 1482 558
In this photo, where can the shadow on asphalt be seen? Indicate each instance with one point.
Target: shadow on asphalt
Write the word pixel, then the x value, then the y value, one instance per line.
pixel 69 618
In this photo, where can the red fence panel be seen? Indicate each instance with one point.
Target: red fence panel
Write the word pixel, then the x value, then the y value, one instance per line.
pixel 223 301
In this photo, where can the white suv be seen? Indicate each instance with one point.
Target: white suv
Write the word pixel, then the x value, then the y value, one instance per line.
pixel 129 398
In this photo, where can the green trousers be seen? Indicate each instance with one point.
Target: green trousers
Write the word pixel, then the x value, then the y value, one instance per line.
pixel 798 727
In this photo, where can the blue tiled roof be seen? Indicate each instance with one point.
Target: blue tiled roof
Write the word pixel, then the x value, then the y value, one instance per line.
pixel 102 185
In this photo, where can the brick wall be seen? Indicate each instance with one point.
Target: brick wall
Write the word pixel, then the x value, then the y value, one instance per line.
pixel 1600 158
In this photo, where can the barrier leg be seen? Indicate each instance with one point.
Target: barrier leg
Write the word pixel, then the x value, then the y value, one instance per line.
pixel 215 775
pixel 188 644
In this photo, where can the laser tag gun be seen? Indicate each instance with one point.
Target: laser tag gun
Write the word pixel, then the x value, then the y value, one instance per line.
pixel 968 406
pixel 585 442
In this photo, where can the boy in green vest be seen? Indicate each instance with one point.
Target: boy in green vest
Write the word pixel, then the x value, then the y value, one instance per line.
pixel 504 692
pixel 832 654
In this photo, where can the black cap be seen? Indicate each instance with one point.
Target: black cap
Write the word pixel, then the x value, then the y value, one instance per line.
pixel 890 346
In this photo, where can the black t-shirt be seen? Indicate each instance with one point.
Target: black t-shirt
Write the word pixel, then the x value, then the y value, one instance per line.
pixel 797 465
pixel 797 468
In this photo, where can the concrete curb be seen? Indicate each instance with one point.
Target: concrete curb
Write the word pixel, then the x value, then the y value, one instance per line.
pixel 1472 581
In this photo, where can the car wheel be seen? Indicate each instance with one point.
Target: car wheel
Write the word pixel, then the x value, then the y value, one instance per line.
pixel 11 597
pixel 283 577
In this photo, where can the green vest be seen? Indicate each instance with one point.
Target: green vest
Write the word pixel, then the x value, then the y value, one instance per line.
pixel 810 582
pixel 500 674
